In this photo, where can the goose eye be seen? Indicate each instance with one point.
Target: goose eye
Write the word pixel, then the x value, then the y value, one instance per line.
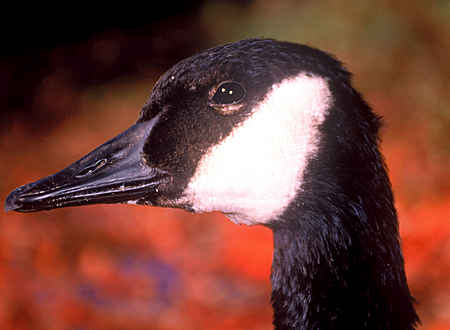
pixel 228 92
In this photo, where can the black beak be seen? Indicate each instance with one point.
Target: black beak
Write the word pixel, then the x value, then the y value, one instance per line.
pixel 115 172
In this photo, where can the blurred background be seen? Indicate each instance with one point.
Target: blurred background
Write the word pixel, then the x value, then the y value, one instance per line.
pixel 71 78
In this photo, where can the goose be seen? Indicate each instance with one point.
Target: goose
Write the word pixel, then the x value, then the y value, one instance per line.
pixel 270 133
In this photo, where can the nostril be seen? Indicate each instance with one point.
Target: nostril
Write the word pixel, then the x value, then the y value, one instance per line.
pixel 91 169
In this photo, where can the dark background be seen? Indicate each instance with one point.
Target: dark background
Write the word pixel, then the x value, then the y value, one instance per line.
pixel 73 77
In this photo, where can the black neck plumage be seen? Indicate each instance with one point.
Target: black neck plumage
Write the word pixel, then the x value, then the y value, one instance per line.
pixel 337 260
pixel 340 289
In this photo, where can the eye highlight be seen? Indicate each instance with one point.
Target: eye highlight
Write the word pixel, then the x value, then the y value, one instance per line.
pixel 228 93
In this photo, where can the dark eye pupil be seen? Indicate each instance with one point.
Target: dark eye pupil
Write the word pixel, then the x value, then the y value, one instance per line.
pixel 228 93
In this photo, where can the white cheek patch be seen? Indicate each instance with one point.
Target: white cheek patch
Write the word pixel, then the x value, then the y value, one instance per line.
pixel 255 172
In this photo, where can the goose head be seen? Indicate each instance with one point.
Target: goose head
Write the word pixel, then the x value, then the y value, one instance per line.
pixel 268 133
pixel 231 129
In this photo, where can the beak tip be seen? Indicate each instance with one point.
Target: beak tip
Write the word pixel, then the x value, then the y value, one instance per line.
pixel 11 202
